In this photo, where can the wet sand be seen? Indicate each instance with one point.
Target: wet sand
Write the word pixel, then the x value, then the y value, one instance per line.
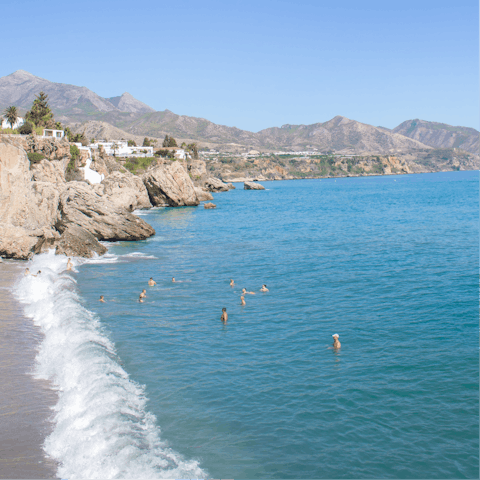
pixel 25 403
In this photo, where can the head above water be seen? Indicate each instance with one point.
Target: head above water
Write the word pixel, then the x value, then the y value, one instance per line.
pixel 101 297
pixel 335 336
pixel 224 309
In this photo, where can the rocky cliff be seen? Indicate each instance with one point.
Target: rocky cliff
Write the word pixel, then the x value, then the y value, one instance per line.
pixel 40 210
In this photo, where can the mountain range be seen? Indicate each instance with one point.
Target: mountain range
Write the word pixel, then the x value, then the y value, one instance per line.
pixel 83 109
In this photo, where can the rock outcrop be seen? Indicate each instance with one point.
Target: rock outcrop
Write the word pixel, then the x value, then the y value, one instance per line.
pixel 80 205
pixel 126 190
pixel 203 195
pixel 39 210
pixel 253 186
pixel 169 185
pixel 78 242
pixel 209 205
pixel 216 185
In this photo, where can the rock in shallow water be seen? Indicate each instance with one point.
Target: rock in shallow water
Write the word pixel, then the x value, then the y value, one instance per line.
pixel 80 205
pixel 209 205
pixel 169 185
pixel 202 195
pixel 78 242
pixel 216 185
pixel 253 186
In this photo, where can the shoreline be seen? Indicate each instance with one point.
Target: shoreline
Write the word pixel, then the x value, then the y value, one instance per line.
pixel 26 403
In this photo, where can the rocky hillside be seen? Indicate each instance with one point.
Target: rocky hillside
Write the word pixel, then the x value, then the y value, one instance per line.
pixel 440 135
pixel 78 106
pixel 339 134
pixel 68 102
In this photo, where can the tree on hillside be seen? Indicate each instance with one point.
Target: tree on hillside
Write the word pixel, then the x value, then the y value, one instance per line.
pixel 146 142
pixel 115 148
pixel 194 149
pixel 11 115
pixel 131 143
pixel 40 113
pixel 169 142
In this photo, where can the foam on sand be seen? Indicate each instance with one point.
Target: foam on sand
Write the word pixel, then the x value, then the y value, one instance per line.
pixel 101 426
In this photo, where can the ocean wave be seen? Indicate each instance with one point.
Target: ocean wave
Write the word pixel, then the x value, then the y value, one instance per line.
pixel 101 426
pixel 113 258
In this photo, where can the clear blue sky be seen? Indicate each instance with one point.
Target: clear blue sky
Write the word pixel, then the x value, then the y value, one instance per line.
pixel 262 63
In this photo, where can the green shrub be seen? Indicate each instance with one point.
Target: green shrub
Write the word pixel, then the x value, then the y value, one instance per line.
pixel 74 152
pixel 26 129
pixel 35 157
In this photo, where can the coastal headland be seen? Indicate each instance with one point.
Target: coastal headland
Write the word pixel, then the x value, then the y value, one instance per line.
pixel 56 195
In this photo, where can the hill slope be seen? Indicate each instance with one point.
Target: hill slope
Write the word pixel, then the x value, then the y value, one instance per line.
pixel 440 135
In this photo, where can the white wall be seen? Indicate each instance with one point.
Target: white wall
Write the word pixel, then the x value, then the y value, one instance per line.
pixel 18 123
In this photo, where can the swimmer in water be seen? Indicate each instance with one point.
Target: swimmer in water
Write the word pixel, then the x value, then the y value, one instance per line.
pixel 224 316
pixel 140 298
pixel 244 291
pixel 264 288
pixel 173 279
pixel 143 294
pixel 101 299
pixel 152 282
pixel 69 264
pixel 232 283
pixel 242 299
pixel 27 272
pixel 39 272
pixel 336 343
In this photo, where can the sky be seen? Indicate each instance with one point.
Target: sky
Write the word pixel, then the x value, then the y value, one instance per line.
pixel 262 63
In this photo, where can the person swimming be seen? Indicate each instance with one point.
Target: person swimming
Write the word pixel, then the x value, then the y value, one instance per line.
pixel 264 288
pixel 27 272
pixel 140 298
pixel 173 279
pixel 143 294
pixel 69 264
pixel 101 299
pixel 244 291
pixel 152 282
pixel 232 283
pixel 224 316
pixel 336 343
pixel 242 299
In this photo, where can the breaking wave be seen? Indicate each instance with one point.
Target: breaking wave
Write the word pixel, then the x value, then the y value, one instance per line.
pixel 101 426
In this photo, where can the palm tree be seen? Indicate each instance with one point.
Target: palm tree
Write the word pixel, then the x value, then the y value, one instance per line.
pixel 115 148
pixel 11 115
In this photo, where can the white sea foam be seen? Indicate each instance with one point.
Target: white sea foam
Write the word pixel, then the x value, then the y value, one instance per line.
pixel 112 258
pixel 101 426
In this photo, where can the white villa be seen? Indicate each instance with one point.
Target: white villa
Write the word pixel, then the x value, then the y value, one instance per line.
pixel 20 121
pixel 121 149
pixel 48 132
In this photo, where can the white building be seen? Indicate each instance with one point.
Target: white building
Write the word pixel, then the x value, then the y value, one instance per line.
pixel 120 148
pixel 48 132
pixel 20 121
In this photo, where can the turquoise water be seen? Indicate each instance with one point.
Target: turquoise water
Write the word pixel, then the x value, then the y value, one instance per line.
pixel 388 263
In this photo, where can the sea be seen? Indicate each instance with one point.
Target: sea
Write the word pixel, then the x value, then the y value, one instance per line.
pixel 164 389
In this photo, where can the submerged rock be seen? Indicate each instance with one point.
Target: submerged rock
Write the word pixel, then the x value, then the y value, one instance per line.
pixel 253 186
pixel 209 205
pixel 169 185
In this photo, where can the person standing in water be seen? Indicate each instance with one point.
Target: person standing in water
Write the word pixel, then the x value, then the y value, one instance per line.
pixel 143 294
pixel 264 288
pixel 27 272
pixel 232 283
pixel 242 299
pixel 69 264
pixel 336 343
pixel 102 299
pixel 152 282
pixel 224 316
pixel 173 279
pixel 140 298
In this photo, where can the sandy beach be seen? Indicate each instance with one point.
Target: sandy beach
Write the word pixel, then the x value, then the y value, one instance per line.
pixel 25 402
